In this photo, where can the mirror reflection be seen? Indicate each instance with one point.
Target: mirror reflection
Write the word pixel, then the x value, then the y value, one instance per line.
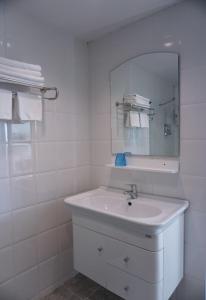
pixel 145 105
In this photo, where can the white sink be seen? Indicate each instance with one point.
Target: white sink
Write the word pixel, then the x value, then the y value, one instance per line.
pixel 152 211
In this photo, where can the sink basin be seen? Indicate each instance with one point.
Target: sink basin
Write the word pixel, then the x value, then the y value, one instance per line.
pixel 148 210
pixel 115 205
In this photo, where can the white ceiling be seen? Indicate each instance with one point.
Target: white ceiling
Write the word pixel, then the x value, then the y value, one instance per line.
pixel 89 19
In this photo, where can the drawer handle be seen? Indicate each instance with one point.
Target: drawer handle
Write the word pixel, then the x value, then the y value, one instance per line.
pixel 126 288
pixel 100 249
pixel 126 259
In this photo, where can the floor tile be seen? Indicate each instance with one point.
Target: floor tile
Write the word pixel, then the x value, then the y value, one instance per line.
pixel 81 288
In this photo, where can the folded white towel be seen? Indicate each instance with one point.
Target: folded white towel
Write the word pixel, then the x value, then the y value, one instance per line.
pixel 144 120
pixel 27 107
pixel 19 70
pixel 5 105
pixel 17 80
pixel 19 64
pixel 132 119
pixel 21 76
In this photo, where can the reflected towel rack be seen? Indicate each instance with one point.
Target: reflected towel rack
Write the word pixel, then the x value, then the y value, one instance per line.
pixel 42 89
pixel 135 107
pixel 167 102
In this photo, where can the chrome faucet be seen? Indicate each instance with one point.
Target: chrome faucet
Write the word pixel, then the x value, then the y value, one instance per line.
pixel 133 192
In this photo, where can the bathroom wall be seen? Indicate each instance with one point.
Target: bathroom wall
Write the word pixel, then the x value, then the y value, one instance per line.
pixel 183 27
pixel 42 163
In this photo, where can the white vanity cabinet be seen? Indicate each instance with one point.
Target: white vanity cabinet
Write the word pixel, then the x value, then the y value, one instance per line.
pixel 135 251
pixel 133 270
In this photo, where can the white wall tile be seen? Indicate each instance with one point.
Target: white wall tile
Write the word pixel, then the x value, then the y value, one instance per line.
pixel 193 87
pixel 49 271
pixel 63 212
pixel 195 223
pixel 195 261
pixel 81 127
pixel 4 170
pixel 27 285
pixel 65 155
pixel 23 191
pixel 46 130
pixel 48 244
pixel 101 152
pixel 6 262
pixel 65 236
pixel 25 255
pixel 46 184
pixel 5 201
pixel 99 176
pixel 46 157
pixel 82 179
pixel 67 263
pixel 21 159
pixel 25 223
pixel 65 129
pixel 7 290
pixel 193 121
pixel 47 215
pixel 65 181
pixel 101 126
pixel 169 184
pixel 195 191
pixel 5 230
pixel 82 153
pixel 192 159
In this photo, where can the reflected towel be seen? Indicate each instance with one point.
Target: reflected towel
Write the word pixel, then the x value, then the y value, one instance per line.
pixel 132 119
pixel 27 107
pixel 144 120
pixel 137 99
pixel 5 105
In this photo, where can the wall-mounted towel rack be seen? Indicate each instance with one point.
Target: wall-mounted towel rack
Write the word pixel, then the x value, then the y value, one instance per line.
pixel 41 88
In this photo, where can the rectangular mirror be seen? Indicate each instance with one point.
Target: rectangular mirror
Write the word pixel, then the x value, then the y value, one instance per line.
pixel 145 114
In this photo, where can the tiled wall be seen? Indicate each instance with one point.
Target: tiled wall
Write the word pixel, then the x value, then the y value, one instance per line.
pixel 183 25
pixel 42 163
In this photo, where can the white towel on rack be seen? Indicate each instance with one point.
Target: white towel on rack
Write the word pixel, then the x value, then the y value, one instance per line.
pixel 132 119
pixel 16 80
pixel 5 105
pixel 19 64
pixel 19 70
pixel 144 120
pixel 27 107
pixel 21 76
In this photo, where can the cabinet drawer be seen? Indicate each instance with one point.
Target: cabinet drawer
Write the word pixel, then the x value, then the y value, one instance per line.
pixel 130 287
pixel 89 252
pixel 136 261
